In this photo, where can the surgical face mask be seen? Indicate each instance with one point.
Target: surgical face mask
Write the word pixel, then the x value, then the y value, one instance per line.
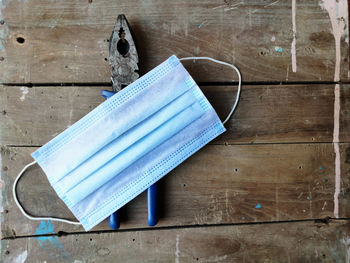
pixel 128 143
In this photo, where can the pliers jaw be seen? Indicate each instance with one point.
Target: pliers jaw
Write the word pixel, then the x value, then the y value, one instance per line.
pixel 123 56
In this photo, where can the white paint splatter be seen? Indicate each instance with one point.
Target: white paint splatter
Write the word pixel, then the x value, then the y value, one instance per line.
pixel 316 253
pixel 346 242
pixel 338 15
pixel 336 148
pixel 216 258
pixel 250 17
pixel 273 3
pixel 216 7
pixel 273 38
pixel 293 47
pixel 324 205
pixel 24 93
pixel 177 250
pixel 1 204
pixel 4 32
pixel 233 6
pixel 21 258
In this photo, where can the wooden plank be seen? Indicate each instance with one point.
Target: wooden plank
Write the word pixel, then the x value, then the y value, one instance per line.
pixel 265 114
pixel 66 41
pixel 288 242
pixel 220 184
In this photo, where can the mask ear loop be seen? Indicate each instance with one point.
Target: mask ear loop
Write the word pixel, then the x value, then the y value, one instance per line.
pixel 21 207
pixel 229 65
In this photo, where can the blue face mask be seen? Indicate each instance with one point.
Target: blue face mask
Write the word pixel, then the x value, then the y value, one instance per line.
pixel 128 143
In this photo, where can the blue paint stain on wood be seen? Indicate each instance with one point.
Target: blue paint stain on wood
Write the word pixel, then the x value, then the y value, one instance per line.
pixel 4 32
pixel 258 206
pixel 50 244
pixel 279 49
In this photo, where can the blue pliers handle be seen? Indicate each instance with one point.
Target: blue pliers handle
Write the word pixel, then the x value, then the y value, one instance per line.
pixel 152 215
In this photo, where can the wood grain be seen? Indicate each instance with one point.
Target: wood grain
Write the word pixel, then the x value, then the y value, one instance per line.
pixel 283 242
pixel 66 41
pixel 218 185
pixel 265 114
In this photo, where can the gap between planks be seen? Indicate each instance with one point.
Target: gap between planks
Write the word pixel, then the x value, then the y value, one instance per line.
pixel 211 143
pixel 326 221
pixel 211 83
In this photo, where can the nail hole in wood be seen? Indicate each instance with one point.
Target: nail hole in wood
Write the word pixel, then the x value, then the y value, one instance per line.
pixel 2 58
pixel 105 59
pixel 7 252
pixel 20 40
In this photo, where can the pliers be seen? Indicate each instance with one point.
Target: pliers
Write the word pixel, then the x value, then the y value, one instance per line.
pixel 124 60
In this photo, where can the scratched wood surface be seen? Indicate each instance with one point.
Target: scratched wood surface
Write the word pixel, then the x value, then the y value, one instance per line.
pixel 278 161
pixel 287 242
pixel 221 184
pixel 266 113
pixel 66 41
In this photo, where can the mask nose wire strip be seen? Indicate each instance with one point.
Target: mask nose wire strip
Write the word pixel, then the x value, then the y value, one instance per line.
pixel 21 208
pixel 229 65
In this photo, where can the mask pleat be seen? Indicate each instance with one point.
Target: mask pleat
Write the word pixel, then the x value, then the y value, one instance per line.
pixel 123 142
pixel 96 135
pixel 133 153
pixel 126 185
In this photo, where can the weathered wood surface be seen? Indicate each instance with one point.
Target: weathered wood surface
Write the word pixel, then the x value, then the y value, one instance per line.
pixel 266 114
pixel 66 41
pixel 220 184
pixel 283 242
pixel 276 162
